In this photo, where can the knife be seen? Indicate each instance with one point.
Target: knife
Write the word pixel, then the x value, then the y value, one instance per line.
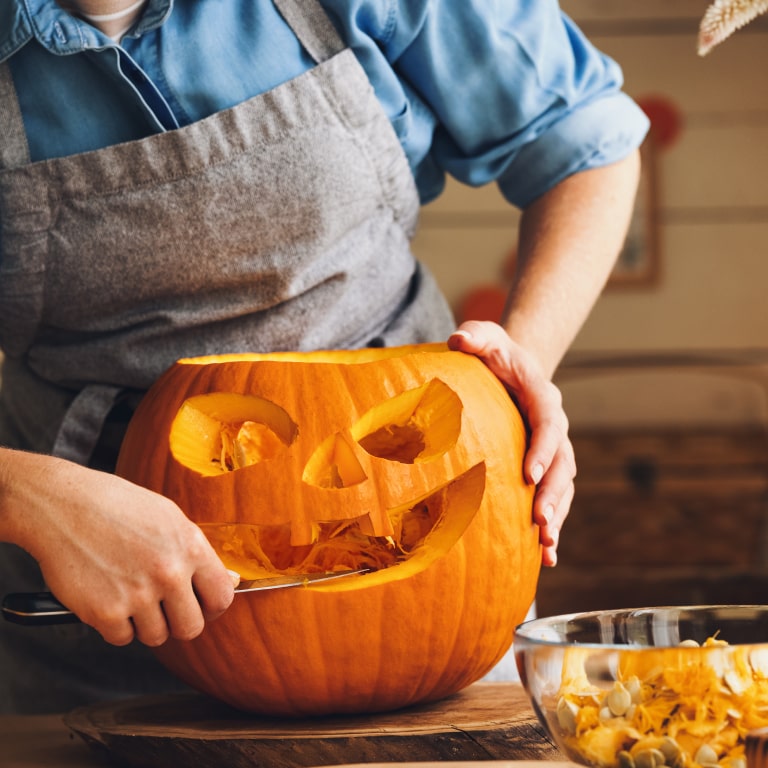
pixel 42 608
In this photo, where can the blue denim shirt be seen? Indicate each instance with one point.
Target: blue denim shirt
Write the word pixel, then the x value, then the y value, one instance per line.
pixel 485 91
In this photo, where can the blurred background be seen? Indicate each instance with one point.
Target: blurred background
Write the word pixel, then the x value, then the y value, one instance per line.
pixel 666 385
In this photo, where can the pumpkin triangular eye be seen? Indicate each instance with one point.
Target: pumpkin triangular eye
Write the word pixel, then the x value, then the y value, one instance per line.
pixel 414 426
pixel 224 432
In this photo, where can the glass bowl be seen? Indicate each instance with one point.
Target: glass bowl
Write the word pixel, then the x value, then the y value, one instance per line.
pixel 649 687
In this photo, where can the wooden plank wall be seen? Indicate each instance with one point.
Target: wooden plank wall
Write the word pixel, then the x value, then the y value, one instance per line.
pixel 663 517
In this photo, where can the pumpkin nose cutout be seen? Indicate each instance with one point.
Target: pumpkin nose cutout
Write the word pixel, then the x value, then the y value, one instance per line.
pixel 223 432
pixel 334 464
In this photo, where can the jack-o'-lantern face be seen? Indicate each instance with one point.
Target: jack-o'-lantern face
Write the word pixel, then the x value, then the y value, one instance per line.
pixel 318 492
pixel 407 457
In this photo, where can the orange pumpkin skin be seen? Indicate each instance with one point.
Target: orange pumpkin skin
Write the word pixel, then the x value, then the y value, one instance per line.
pixel 414 632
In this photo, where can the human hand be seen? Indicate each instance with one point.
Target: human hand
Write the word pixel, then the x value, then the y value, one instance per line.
pixel 125 560
pixel 549 462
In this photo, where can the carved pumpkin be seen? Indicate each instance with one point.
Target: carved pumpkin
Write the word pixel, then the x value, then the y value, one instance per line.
pixel 407 460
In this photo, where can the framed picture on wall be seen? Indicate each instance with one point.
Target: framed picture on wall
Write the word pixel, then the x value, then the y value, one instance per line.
pixel 638 264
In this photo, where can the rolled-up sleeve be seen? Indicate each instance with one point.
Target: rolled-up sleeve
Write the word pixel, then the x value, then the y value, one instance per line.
pixel 517 94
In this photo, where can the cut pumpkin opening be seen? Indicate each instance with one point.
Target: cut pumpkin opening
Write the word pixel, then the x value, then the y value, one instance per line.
pixel 414 426
pixel 224 431
pixel 424 530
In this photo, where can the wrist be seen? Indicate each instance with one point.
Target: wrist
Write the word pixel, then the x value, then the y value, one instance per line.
pixel 21 508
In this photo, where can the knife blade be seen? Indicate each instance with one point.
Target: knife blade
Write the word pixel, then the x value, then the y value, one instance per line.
pixel 282 581
pixel 42 608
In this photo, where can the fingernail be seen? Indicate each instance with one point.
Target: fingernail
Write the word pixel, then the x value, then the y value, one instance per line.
pixel 549 513
pixel 464 334
pixel 235 576
pixel 552 559
pixel 537 472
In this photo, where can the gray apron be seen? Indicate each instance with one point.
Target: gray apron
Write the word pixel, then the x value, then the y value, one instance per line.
pixel 281 224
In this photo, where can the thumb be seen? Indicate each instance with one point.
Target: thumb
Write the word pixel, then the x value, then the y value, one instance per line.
pixel 235 576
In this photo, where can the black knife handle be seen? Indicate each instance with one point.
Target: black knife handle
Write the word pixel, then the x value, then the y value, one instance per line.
pixel 35 609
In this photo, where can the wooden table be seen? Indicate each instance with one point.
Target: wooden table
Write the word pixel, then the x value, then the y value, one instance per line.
pixel 43 741
pixel 487 722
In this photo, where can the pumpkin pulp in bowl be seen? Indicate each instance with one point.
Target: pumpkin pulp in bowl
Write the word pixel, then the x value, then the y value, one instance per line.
pixel 677 686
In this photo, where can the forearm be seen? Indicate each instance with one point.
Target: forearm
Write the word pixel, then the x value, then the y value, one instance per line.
pixel 569 240
pixel 19 472
pixel 47 503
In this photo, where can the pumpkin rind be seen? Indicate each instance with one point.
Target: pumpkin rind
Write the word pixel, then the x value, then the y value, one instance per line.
pixel 414 632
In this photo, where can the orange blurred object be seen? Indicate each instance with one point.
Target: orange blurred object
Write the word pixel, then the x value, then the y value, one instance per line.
pixel 484 302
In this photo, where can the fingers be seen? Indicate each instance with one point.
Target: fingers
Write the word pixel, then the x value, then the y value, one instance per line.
pixel 555 490
pixel 120 623
pixel 549 462
pixel 167 602
pixel 489 342
pixel 549 446
pixel 181 614
pixel 152 626
pixel 549 534
pixel 126 560
pixel 214 594
pixel 115 629
pixel 235 576
pixel 183 618
pixel 184 611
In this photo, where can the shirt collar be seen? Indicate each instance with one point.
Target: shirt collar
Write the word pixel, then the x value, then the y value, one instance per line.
pixel 57 31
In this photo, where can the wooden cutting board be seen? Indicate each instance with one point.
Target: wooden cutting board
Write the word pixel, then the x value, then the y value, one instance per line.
pixel 487 721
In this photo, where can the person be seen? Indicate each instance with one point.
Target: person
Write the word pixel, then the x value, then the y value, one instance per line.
pixel 188 177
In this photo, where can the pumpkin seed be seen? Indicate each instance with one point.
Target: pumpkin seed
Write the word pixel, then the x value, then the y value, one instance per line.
pixel 649 758
pixel 566 715
pixel 758 658
pixel 736 682
pixel 705 756
pixel 671 750
pixel 635 688
pixel 625 759
pixel 618 699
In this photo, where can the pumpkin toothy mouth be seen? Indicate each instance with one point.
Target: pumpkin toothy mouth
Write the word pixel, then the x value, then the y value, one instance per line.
pixel 422 531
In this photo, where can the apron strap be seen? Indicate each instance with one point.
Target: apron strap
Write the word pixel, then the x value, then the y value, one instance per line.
pixel 310 23
pixel 14 151
pixel 79 431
